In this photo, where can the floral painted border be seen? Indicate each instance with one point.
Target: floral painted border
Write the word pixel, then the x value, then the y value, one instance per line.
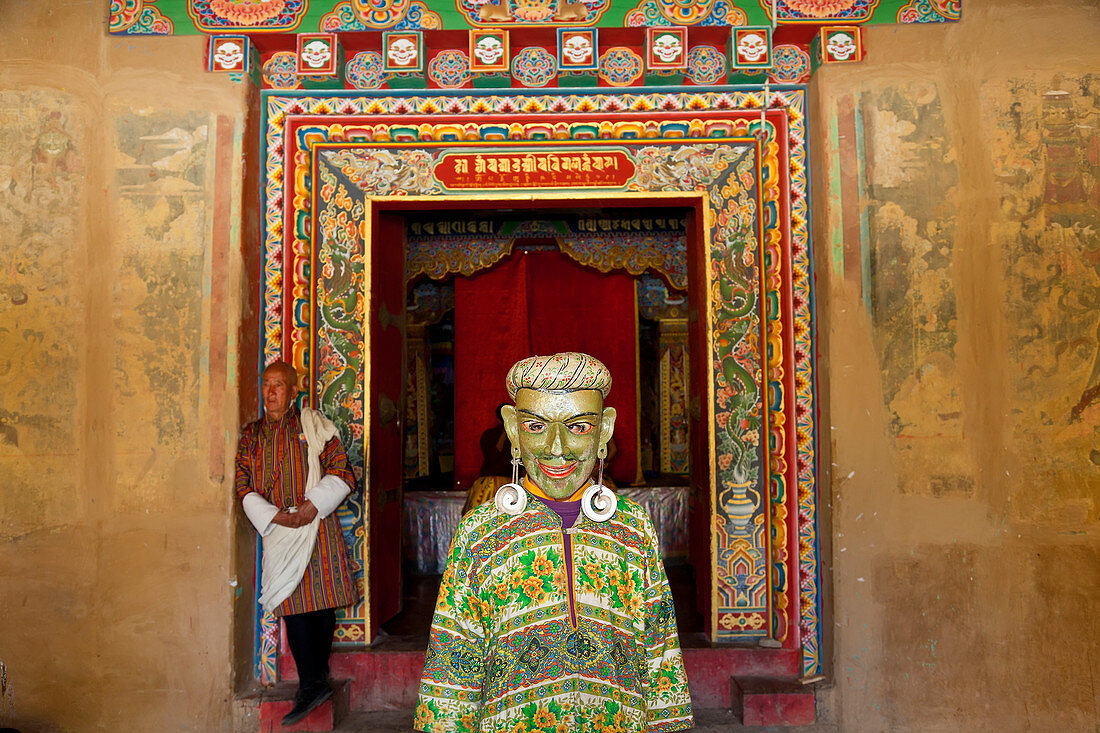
pixel 791 103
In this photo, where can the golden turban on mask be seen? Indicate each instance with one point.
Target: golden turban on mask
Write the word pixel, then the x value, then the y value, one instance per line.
pixel 568 371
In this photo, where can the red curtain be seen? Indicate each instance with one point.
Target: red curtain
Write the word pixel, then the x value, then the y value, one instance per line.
pixel 541 303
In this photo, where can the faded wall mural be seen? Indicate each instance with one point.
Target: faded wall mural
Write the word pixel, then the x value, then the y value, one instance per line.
pixel 117 532
pixel 911 177
pixel 41 305
pixel 895 175
pixel 895 230
pixel 961 201
pixel 1046 162
pixel 161 173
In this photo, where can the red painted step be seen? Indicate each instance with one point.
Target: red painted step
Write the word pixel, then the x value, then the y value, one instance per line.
pixel 379 680
pixel 390 680
pixel 768 701
pixel 709 670
pixel 275 702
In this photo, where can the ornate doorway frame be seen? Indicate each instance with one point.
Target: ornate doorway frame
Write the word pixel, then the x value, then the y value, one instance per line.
pixel 755 324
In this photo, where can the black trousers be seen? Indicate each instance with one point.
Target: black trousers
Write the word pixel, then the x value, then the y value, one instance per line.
pixel 309 635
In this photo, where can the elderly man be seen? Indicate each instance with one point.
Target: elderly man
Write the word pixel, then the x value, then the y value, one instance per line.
pixel 291 474
pixel 554 613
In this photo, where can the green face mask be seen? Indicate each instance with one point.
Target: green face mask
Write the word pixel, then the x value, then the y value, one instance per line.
pixel 559 435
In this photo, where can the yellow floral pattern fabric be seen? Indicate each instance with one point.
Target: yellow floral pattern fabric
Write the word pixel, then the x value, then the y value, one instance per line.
pixel 506 653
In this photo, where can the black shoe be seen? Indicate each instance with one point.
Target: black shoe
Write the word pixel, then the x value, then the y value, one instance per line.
pixel 305 701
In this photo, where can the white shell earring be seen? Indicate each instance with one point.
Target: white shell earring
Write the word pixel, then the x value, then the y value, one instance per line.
pixel 511 498
pixel 599 502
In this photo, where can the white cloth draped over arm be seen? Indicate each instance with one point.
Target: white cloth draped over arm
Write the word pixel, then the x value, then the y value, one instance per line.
pixel 328 494
pixel 319 430
pixel 286 555
pixel 260 512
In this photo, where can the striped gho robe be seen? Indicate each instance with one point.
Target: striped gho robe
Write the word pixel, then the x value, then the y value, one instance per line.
pixel 272 460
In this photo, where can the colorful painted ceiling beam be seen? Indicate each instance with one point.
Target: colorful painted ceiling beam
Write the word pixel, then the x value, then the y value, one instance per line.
pixel 183 17
pixel 535 57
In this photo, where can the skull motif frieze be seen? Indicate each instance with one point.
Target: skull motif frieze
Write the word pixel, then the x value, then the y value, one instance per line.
pixel 668 48
pixel 229 56
pixel 403 52
pixel 316 54
pixel 489 50
pixel 842 47
pixel 752 48
pixel 577 49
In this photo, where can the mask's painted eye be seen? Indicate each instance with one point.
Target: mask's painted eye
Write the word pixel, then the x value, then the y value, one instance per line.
pixel 581 428
pixel 533 426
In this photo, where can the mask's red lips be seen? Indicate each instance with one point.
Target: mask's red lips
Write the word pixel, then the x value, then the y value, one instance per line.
pixel 558 472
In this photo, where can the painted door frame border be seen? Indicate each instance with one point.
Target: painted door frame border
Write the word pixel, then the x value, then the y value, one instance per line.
pixel 789 103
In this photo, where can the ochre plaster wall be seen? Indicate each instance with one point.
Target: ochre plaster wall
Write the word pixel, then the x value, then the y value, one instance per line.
pixel 956 219
pixel 121 293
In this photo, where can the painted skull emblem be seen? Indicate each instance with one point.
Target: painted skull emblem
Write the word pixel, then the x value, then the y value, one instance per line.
pixel 403 52
pixel 577 49
pixel 229 55
pixel 316 54
pixel 489 50
pixel 752 48
pixel 841 46
pixel 668 48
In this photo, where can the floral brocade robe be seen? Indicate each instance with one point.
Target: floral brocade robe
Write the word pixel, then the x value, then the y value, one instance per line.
pixel 518 647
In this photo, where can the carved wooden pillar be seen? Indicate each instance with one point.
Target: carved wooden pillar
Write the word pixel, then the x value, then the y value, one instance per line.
pixel 675 439
pixel 417 420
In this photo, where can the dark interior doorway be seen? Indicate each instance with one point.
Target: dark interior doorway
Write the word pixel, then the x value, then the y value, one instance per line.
pixel 409 627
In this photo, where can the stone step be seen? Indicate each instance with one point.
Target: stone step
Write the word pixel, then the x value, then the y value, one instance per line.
pixel 767 701
pixel 706 721
pixel 390 680
pixel 709 670
pixel 275 702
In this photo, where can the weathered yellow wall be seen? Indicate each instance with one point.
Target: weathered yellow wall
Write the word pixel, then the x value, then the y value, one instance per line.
pixel 959 337
pixel 958 333
pixel 120 303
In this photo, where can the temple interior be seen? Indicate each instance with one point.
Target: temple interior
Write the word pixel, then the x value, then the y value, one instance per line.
pixel 653 464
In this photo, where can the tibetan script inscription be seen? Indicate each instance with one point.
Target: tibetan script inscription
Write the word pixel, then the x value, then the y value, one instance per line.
pixel 551 169
pixel 427 225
